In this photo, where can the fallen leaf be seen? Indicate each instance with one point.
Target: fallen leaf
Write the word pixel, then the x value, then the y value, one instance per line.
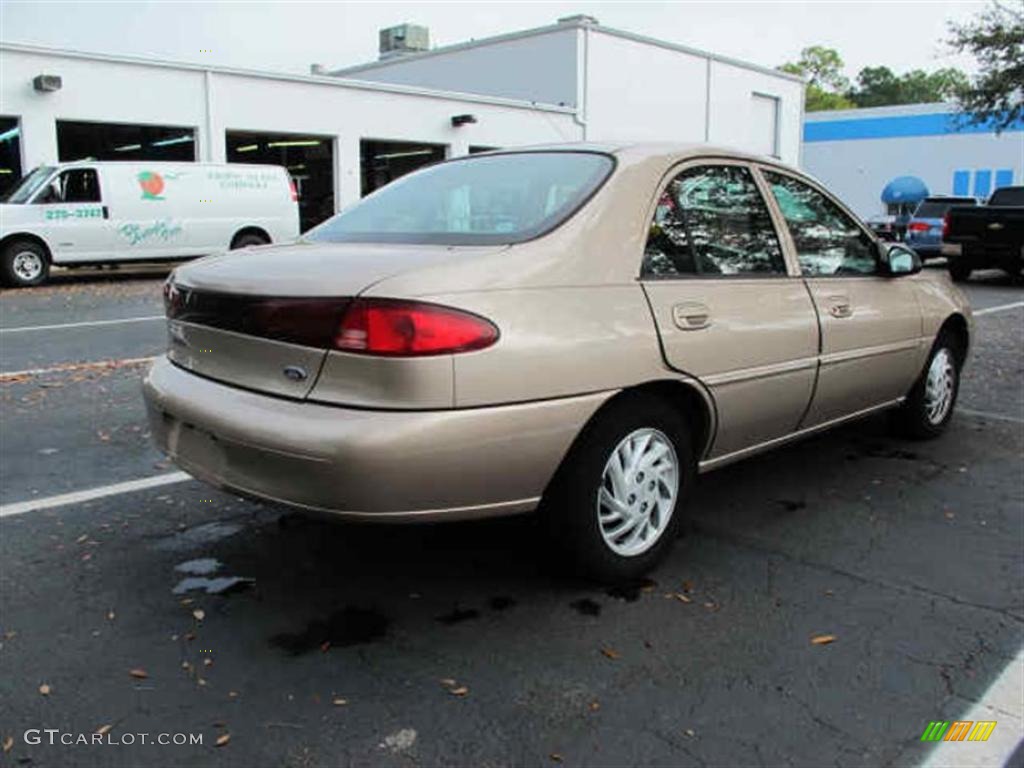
pixel 190 635
pixel 110 615
pixel 8 743
pixel 207 662
pixel 682 598
pixel 609 653
pixel 45 689
pixel 690 733
pixel 594 706
pixel 141 674
pixel 201 681
pixel 448 682
pixel 223 739
pixel 83 538
pixel 103 730
pixel 339 702
pixel 199 613
pixel 460 691
pixel 556 757
pixel 232 694
pixel 688 586
pixel 823 639
pixel 186 666
pixel 186 601
pixel 87 556
pixel 325 646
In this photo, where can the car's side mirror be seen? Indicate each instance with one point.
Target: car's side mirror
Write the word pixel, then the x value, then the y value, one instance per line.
pixel 898 260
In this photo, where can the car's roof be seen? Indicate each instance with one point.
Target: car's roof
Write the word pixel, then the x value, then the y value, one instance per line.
pixel 640 150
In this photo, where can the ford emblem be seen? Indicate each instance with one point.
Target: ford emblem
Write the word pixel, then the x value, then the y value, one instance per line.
pixel 295 373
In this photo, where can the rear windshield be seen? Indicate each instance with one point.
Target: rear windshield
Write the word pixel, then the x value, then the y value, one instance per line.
pixel 936 209
pixel 487 199
pixel 1007 196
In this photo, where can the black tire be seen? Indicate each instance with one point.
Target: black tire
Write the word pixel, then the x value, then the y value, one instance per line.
pixel 959 269
pixel 24 263
pixel 570 508
pixel 247 239
pixel 915 418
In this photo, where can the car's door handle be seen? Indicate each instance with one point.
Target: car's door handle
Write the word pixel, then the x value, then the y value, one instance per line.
pixel 691 316
pixel 839 306
pixel 106 212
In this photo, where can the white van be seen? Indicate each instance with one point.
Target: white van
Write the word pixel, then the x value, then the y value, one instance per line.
pixel 107 212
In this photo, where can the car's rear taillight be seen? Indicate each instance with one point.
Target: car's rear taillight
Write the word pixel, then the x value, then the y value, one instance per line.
pixel 396 328
pixel 294 190
pixel 919 226
pixel 945 226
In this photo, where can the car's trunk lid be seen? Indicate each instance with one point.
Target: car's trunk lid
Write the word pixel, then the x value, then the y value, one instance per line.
pixel 264 318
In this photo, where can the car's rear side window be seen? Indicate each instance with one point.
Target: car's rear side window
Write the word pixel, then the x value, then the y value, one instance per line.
pixel 936 209
pixel 487 199
pixel 712 221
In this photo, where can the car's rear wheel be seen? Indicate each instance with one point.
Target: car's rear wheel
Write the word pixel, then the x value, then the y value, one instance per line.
pixel 615 507
pixel 24 263
pixel 929 406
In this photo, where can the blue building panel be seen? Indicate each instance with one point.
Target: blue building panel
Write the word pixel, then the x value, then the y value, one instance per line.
pixel 900 126
pixel 1004 177
pixel 961 183
pixel 982 183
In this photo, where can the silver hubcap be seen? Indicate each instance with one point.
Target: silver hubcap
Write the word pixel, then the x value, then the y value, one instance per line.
pixel 638 492
pixel 939 386
pixel 27 265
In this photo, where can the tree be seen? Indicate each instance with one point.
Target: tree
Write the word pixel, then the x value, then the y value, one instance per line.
pixel 879 86
pixel 823 69
pixel 996 39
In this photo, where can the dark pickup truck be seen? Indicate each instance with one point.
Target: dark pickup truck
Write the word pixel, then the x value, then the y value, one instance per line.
pixel 986 236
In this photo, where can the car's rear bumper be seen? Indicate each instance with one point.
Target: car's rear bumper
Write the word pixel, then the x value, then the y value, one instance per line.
pixel 360 463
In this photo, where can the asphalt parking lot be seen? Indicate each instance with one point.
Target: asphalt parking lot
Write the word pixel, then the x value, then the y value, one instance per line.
pixel 460 644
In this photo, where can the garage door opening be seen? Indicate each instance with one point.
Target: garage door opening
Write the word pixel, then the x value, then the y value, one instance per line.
pixel 309 160
pixel 384 161
pixel 121 141
pixel 10 155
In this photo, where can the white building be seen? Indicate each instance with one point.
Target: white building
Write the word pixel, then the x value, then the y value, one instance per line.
pixel 621 86
pixel 344 134
pixel 857 152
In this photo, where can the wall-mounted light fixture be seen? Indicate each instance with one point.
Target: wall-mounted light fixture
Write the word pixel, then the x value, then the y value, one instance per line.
pixel 458 120
pixel 47 83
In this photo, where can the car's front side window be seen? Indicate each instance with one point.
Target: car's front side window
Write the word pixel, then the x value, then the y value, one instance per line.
pixel 79 185
pixel 712 221
pixel 828 241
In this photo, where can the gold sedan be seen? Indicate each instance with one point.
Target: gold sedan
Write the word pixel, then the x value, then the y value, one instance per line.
pixel 575 329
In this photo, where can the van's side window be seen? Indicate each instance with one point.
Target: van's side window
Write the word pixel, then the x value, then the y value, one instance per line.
pixel 712 220
pixel 828 242
pixel 77 185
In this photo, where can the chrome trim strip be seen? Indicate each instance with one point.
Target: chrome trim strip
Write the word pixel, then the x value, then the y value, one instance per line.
pixel 760 372
pixel 881 349
pixel 710 464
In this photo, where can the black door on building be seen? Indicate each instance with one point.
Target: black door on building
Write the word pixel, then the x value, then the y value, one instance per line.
pixel 309 160
pixel 384 161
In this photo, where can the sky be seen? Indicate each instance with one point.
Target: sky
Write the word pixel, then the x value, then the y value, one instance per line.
pixel 289 36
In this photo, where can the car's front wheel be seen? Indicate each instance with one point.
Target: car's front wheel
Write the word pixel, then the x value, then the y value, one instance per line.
pixel 24 263
pixel 615 507
pixel 929 406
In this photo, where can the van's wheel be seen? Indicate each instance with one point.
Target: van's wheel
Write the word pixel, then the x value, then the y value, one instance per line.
pixel 959 269
pixel 24 263
pixel 616 504
pixel 929 406
pixel 247 239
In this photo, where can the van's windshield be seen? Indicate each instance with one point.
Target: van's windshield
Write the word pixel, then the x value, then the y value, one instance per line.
pixel 28 185
pixel 483 200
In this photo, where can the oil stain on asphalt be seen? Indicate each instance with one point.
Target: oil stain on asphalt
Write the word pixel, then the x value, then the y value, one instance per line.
pixel 347 627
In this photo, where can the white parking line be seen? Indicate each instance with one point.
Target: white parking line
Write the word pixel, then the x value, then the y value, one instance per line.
pixel 84 324
pixel 1000 308
pixel 989 415
pixel 6 376
pixel 1002 704
pixel 77 497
